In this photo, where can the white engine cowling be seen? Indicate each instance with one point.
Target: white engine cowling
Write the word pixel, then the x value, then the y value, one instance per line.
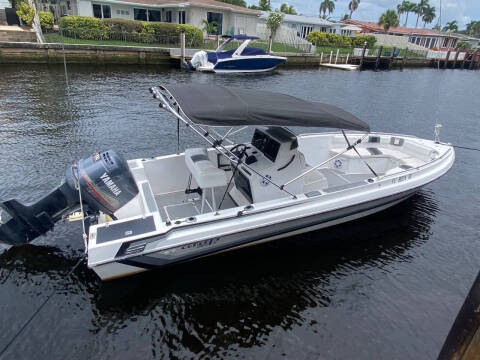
pixel 200 58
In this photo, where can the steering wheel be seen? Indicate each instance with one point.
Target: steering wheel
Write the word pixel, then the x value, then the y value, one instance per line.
pixel 239 150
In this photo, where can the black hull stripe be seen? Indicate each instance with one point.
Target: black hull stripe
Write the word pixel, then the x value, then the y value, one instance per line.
pixel 151 262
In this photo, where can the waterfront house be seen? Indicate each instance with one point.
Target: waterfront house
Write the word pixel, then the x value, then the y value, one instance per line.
pixel 229 18
pixel 304 25
pixel 427 38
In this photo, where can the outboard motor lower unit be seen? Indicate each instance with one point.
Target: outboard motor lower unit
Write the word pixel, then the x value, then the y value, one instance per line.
pixel 106 185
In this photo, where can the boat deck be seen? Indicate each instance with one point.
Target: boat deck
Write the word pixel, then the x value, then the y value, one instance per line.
pixel 178 204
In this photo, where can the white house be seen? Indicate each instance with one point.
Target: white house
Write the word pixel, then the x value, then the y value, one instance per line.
pixel 230 18
pixel 304 25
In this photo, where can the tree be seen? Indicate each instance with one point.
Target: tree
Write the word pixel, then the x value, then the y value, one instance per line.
pixel 263 5
pixel 274 20
pixel 209 27
pixel 451 26
pixel 241 3
pixel 353 6
pixel 473 28
pixel 389 19
pixel 284 8
pixel 428 15
pixel 326 5
pixel 406 7
pixel 420 9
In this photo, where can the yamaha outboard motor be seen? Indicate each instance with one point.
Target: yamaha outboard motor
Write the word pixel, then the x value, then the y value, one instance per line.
pixel 106 185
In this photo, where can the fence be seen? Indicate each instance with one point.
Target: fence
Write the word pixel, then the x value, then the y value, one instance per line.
pixel 170 41
pixel 385 51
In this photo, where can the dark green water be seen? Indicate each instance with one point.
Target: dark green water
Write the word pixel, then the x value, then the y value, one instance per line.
pixel 384 287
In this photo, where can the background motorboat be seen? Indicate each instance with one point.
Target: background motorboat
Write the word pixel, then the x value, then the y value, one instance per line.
pixel 241 59
pixel 147 213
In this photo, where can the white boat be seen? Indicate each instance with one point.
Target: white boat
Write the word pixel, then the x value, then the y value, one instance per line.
pixel 243 59
pixel 349 67
pixel 147 213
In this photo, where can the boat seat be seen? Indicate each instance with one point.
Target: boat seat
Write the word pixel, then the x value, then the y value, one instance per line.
pixel 205 173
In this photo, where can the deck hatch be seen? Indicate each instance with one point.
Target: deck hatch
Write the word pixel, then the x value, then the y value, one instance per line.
pixel 125 229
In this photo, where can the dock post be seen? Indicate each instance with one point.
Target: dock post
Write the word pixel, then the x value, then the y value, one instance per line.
pixel 321 58
pixel 463 61
pixel 331 53
pixel 336 57
pixel 474 55
pixel 390 62
pixel 455 60
pixel 346 61
pixel 446 60
pixel 363 55
pixel 377 60
pixel 405 54
pixel 182 48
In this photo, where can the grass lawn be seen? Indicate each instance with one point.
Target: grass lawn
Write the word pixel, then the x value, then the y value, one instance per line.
pixel 210 45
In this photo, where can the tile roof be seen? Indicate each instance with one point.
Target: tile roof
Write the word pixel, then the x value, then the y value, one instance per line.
pixel 399 29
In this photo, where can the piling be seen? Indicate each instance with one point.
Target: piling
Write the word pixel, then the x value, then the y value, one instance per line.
pixel 321 58
pixel 405 55
pixel 182 48
pixel 363 55
pixel 379 54
pixel 346 60
pixel 446 60
pixel 455 60
pixel 331 53
pixel 390 62
pixel 336 57
pixel 464 59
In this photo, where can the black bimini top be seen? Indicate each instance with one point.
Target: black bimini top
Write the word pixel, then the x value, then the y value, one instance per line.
pixel 216 105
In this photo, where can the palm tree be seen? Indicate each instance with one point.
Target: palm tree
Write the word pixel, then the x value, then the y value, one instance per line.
pixel 327 5
pixel 406 7
pixel 420 9
pixel 353 6
pixel 451 26
pixel 428 15
pixel 209 27
pixel 389 19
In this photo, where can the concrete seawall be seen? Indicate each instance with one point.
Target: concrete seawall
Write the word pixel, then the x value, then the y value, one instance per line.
pixel 33 53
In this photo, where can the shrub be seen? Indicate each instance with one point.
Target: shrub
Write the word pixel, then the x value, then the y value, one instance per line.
pixel 25 12
pixel 85 27
pixel 359 40
pixel 90 28
pixel 319 38
pixel 46 19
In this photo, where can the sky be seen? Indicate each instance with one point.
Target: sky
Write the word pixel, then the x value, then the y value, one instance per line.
pixel 370 10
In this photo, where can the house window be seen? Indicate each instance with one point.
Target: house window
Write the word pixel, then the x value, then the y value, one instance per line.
pixel 181 17
pixel 445 42
pixel 218 18
pixel 154 15
pixel 324 29
pixel 69 6
pixel 418 40
pixel 454 42
pixel 168 16
pixel 97 11
pixel 305 31
pixel 107 13
pixel 427 43
pixel 140 14
pixel 101 11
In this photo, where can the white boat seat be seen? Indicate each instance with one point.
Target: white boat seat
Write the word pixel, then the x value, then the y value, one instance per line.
pixel 205 173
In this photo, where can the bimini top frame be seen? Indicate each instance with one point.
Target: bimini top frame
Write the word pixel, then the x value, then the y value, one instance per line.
pixel 196 105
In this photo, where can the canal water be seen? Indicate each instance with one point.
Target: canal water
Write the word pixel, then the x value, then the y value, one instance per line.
pixel 386 287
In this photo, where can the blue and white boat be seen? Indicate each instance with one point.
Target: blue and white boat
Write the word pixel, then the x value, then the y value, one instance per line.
pixel 241 59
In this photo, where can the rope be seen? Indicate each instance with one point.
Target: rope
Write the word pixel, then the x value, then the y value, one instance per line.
pixel 36 312
pixel 465 147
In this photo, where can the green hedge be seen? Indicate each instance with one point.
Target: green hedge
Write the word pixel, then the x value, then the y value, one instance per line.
pixel 90 28
pixel 46 19
pixel 320 38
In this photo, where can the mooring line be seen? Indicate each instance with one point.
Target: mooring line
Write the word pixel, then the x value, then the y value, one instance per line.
pixel 465 147
pixel 37 311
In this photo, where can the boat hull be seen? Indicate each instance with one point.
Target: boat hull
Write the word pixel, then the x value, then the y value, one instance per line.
pixel 245 64
pixel 257 235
